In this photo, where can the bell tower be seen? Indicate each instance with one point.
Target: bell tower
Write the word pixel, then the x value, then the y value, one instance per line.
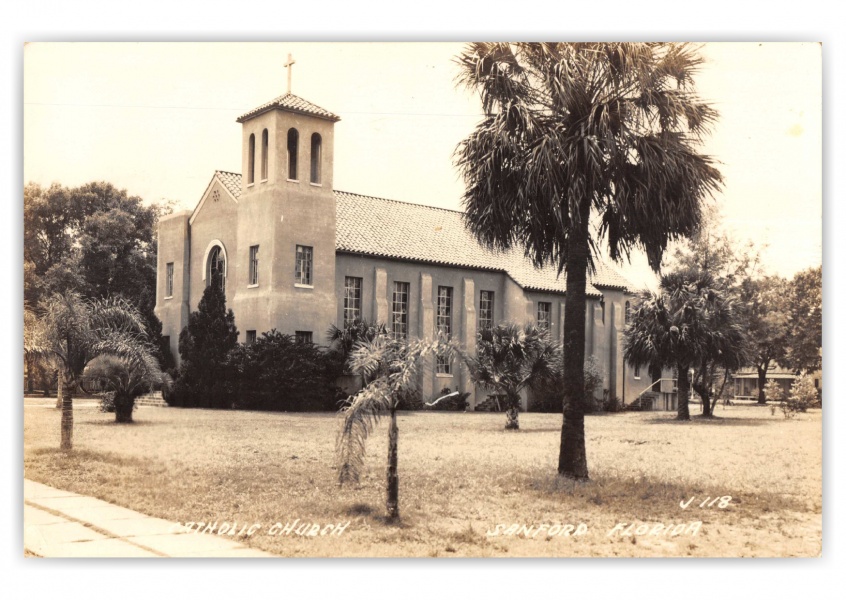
pixel 286 219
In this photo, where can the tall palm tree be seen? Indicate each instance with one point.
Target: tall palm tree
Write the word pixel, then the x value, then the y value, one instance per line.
pixel 687 324
pixel 510 358
pixel 581 133
pixel 76 330
pixel 392 369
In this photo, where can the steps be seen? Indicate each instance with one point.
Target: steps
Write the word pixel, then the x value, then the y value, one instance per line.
pixel 152 399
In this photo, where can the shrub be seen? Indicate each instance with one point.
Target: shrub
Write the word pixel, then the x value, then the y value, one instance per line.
pixel 773 391
pixel 278 373
pixel 204 345
pixel 803 394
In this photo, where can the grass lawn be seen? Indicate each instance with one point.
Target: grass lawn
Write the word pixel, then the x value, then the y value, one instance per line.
pixel 461 475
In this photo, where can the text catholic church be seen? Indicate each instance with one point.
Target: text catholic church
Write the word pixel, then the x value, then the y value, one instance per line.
pixel 297 255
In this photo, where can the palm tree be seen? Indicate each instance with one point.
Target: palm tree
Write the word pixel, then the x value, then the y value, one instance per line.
pixel 392 368
pixel 581 133
pixel 688 324
pixel 342 340
pixel 76 330
pixel 509 359
pixel 125 377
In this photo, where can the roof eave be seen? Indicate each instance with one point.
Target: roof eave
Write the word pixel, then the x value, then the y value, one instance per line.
pixel 261 111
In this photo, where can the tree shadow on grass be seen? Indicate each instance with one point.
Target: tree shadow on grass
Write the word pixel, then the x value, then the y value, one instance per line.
pixel 113 423
pixel 712 421
pixel 644 498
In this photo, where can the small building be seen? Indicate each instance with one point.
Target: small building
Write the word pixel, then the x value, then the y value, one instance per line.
pixel 746 381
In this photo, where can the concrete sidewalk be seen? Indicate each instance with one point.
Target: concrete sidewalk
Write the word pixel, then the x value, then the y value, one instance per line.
pixel 63 524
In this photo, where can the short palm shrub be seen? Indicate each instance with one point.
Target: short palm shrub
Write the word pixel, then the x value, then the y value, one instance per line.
pixel 120 380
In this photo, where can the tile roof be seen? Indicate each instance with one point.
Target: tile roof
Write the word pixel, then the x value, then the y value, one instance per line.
pixel 293 103
pixel 231 181
pixel 394 229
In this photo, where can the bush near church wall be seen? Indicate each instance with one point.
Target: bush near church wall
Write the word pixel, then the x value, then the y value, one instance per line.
pixel 277 373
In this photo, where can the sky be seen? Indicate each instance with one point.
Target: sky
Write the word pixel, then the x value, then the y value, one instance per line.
pixel 158 118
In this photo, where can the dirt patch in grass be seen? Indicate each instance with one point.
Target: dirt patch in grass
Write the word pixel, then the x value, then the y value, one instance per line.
pixel 463 478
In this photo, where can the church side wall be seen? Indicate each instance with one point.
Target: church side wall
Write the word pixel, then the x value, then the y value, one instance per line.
pixel 173 246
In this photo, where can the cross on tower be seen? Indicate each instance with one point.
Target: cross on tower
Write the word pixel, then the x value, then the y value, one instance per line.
pixel 288 66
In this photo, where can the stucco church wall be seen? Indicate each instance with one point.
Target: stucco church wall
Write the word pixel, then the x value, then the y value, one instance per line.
pixel 173 246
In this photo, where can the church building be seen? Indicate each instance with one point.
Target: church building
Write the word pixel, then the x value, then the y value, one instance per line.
pixel 295 254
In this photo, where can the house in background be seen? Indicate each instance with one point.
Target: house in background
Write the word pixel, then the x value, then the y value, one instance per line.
pixel 746 381
pixel 295 254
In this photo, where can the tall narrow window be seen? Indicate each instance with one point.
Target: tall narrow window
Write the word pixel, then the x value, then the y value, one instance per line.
pixel 486 310
pixel 399 311
pixel 544 313
pixel 251 167
pixel 303 337
pixel 264 155
pixel 444 325
pixel 352 300
pixel 304 265
pixel 254 265
pixel 628 311
pixel 251 337
pixel 169 281
pixel 293 143
pixel 637 372
pixel 216 267
pixel 315 157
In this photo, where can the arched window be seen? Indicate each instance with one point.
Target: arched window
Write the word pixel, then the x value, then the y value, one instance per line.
pixel 264 155
pixel 251 168
pixel 293 143
pixel 315 157
pixel 216 267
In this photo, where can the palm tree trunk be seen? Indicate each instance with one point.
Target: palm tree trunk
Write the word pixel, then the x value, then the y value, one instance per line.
pixel 392 503
pixel 66 396
pixel 512 415
pixel 123 408
pixel 684 393
pixel 572 458
pixel 60 384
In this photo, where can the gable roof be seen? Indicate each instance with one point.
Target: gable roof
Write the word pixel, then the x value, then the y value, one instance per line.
pixel 291 103
pixel 231 182
pixel 401 230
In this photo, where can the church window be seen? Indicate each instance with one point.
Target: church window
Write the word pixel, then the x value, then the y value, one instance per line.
pixel 169 280
pixel 251 167
pixel 264 155
pixel 486 310
pixel 637 372
pixel 216 267
pixel 444 367
pixel 304 265
pixel 254 265
pixel 251 337
pixel 352 300
pixel 303 337
pixel 293 143
pixel 399 310
pixel 315 157
pixel 544 314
